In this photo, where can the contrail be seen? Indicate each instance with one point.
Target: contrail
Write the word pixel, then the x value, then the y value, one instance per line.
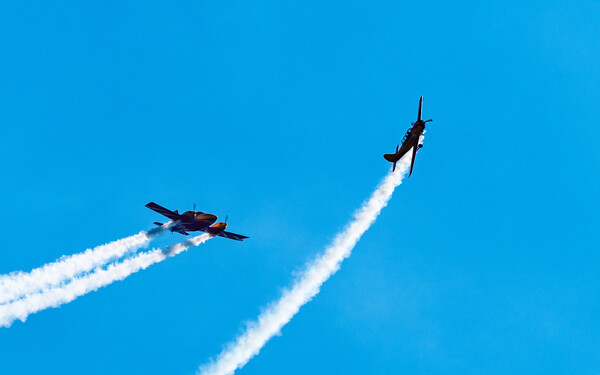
pixel 99 277
pixel 19 284
pixel 269 323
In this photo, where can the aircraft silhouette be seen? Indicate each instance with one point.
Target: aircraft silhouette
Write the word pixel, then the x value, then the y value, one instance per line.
pixel 192 221
pixel 410 141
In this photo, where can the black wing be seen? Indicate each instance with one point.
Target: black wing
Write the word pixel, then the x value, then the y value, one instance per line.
pixel 412 162
pixel 233 236
pixel 163 211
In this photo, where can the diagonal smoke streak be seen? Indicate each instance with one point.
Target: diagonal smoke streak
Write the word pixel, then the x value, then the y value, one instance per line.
pixel 96 279
pixel 269 323
pixel 19 284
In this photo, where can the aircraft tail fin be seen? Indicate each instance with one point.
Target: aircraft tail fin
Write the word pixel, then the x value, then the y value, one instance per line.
pixel 420 109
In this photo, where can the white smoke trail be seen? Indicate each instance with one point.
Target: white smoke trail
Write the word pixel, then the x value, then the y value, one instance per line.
pixel 19 284
pixel 237 353
pixel 98 278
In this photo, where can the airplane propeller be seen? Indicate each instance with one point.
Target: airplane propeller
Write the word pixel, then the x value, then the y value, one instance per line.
pixel 226 218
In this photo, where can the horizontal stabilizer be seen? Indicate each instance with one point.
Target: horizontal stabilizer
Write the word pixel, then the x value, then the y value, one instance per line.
pixel 391 157
pixel 159 224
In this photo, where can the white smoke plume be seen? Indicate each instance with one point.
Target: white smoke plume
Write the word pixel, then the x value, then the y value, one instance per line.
pixel 269 323
pixel 99 277
pixel 19 284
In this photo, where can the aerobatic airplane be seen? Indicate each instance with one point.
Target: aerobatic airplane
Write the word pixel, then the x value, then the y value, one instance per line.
pixel 410 141
pixel 192 221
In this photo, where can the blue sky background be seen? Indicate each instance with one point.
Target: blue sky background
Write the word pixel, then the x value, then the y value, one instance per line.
pixel 276 114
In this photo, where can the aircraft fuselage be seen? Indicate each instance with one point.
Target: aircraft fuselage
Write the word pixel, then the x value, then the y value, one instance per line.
pixel 413 138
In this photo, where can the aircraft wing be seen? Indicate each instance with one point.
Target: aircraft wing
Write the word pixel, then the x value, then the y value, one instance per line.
pixel 163 211
pixel 233 236
pixel 412 161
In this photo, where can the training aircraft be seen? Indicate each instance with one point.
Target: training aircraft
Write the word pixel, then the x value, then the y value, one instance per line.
pixel 410 141
pixel 192 221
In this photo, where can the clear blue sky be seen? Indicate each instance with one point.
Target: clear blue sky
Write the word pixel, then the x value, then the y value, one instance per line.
pixel 276 114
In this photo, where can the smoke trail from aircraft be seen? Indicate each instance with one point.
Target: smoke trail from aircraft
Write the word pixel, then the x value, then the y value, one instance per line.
pixel 19 284
pixel 269 323
pixel 99 277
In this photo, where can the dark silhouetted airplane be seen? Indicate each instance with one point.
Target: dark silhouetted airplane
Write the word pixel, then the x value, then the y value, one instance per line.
pixel 192 221
pixel 410 141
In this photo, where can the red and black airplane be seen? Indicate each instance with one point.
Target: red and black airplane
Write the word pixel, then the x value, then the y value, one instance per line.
pixel 193 221
pixel 410 141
